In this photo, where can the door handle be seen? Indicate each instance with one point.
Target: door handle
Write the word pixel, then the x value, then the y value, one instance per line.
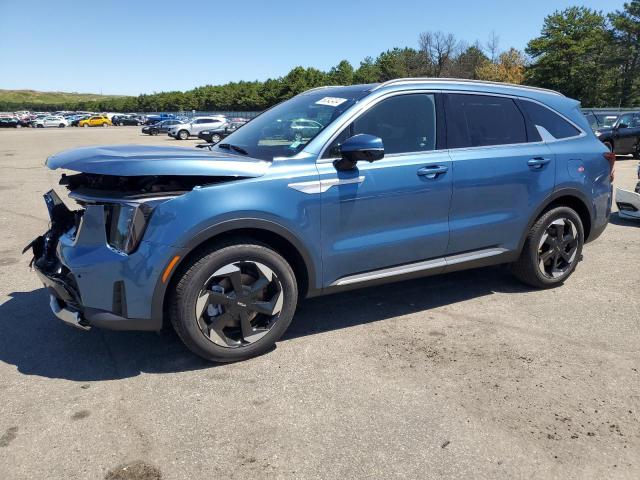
pixel 432 171
pixel 538 162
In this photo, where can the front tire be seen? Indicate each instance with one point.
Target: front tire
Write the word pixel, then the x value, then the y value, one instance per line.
pixel 183 135
pixel 215 138
pixel 552 249
pixel 85 125
pixel 233 301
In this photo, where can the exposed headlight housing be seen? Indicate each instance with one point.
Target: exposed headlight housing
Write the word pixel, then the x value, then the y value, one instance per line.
pixel 126 222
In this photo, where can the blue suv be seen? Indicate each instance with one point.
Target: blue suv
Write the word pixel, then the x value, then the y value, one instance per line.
pixel 337 188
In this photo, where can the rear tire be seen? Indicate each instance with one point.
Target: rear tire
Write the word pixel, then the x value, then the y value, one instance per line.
pixel 211 317
pixel 105 124
pixel 552 249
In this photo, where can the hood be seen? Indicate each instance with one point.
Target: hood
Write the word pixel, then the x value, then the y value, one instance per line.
pixel 138 160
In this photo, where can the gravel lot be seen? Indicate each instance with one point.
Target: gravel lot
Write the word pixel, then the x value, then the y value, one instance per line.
pixel 467 375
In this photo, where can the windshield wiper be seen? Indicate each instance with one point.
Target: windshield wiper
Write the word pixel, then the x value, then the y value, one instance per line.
pixel 236 148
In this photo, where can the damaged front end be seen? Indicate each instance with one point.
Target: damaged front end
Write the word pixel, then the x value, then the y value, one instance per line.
pixel 628 203
pixel 92 258
pixel 64 297
pixel 106 263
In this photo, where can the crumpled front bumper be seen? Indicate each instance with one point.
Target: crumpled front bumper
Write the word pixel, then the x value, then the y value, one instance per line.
pixel 628 203
pixel 90 283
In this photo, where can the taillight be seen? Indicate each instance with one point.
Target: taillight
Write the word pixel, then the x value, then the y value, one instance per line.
pixel 611 158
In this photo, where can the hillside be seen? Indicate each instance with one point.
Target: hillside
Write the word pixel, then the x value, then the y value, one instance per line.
pixel 31 99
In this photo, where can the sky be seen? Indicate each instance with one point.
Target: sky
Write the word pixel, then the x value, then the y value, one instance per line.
pixel 132 47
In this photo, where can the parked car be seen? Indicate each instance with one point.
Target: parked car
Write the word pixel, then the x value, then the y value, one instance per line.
pixel 95 121
pixel 160 127
pixel 51 121
pixel 225 241
pixel 39 116
pixel 76 119
pixel 214 135
pixel 152 119
pixel 126 120
pixel 628 202
pixel 600 119
pixel 623 137
pixel 13 122
pixel 195 126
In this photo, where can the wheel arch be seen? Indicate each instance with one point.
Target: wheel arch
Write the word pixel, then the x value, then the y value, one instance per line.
pixel 568 197
pixel 270 233
pixel 611 142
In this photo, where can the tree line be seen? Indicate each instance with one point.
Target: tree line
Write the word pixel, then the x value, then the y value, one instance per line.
pixel 585 54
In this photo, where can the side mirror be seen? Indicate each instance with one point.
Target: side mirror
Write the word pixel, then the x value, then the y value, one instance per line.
pixel 361 147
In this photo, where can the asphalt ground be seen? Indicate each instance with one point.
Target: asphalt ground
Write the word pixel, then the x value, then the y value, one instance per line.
pixel 465 375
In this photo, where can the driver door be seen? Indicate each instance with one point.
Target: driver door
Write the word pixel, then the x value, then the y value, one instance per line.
pixel 395 211
pixel 627 134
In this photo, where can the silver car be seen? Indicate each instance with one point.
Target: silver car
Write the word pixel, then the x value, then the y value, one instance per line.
pixel 194 126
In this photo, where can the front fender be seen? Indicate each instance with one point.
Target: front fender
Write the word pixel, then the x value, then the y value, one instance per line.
pixel 263 203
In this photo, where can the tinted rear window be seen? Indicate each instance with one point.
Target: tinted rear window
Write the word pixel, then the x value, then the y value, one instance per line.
pixel 482 120
pixel 552 122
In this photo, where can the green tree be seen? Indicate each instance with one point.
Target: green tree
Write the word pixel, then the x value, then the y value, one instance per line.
pixel 367 72
pixel 626 37
pixel 398 63
pixel 466 64
pixel 570 55
pixel 341 74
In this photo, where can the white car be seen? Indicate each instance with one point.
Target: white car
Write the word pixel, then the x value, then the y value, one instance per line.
pixel 51 121
pixel 629 202
pixel 193 127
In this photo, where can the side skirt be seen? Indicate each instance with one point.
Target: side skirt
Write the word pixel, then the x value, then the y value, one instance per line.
pixel 462 261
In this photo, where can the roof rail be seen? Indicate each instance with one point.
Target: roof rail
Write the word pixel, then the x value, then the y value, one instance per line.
pixel 461 80
pixel 320 88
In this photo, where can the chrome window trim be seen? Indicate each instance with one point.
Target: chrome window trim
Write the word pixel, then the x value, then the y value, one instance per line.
pixel 366 107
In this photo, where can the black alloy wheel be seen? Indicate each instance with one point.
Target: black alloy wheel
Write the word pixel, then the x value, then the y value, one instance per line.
pixel 552 249
pixel 558 248
pixel 239 304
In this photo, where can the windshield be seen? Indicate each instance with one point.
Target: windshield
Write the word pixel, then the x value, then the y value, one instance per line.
pixel 288 127
pixel 607 120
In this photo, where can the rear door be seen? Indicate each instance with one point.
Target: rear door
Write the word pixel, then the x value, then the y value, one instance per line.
pixel 499 176
pixel 393 212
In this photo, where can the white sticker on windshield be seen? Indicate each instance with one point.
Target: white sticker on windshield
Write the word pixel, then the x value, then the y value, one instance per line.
pixel 331 101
